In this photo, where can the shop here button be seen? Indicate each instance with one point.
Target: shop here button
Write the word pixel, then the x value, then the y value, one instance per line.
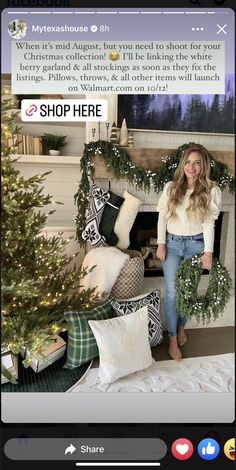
pixel 77 110
pixel 87 450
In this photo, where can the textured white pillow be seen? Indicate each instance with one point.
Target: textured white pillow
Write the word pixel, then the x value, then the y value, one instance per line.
pixel 126 218
pixel 123 345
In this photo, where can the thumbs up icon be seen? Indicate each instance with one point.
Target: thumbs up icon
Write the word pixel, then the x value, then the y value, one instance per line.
pixel 208 449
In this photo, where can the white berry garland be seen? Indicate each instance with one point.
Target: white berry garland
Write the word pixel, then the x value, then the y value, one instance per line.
pixel 119 161
pixel 204 307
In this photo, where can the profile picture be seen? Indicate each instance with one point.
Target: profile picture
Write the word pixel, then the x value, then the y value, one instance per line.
pixel 17 29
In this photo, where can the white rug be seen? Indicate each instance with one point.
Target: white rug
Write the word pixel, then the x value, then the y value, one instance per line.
pixel 196 374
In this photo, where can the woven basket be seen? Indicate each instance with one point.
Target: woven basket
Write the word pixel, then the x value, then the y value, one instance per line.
pixel 130 280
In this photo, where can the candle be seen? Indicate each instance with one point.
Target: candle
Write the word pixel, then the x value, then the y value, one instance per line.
pixel 99 131
pixel 107 126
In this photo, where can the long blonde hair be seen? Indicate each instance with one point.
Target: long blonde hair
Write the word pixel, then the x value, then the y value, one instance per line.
pixel 200 198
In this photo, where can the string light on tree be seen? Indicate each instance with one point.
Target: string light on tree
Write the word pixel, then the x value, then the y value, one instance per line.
pixel 38 281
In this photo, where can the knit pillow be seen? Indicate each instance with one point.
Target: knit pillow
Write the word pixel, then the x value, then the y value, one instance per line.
pixel 82 346
pixel 98 199
pixel 152 300
pixel 123 345
pixel 126 218
pixel 108 219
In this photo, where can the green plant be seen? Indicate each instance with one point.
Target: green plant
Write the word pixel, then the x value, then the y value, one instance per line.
pixel 203 307
pixel 53 142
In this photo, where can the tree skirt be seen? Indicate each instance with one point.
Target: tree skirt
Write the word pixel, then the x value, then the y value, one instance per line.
pixel 52 379
pixel 196 374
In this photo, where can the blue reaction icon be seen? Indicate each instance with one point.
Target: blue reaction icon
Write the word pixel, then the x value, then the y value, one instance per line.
pixel 208 449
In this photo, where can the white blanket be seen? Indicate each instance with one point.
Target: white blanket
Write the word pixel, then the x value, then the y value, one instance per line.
pixel 108 262
pixel 196 374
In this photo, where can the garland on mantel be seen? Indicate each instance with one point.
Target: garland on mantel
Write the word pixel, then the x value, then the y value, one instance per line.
pixel 118 160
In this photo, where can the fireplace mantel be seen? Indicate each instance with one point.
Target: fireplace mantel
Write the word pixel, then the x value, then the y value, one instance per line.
pixel 151 159
pixel 106 180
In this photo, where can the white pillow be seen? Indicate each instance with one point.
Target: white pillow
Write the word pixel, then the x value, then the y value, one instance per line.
pixel 126 218
pixel 123 345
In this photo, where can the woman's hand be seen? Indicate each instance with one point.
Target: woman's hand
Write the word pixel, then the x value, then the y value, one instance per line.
pixel 161 252
pixel 206 261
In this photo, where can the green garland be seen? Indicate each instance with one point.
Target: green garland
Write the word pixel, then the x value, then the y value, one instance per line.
pixel 118 160
pixel 203 307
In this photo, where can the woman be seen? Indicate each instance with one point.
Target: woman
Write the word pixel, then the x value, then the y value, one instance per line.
pixel 187 209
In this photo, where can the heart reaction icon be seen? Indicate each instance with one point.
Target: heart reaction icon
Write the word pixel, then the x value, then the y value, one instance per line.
pixel 182 449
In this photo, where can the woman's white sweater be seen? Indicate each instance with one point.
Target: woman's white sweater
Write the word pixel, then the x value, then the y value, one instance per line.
pixel 183 224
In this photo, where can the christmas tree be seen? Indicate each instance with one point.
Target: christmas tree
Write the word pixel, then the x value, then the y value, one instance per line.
pixel 38 282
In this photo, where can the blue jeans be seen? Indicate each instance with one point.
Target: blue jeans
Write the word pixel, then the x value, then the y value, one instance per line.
pixel 177 249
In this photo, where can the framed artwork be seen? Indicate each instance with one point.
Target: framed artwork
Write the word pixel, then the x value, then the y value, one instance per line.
pixel 187 113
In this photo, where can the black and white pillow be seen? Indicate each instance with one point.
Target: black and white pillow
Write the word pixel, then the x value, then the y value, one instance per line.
pixel 152 300
pixel 97 202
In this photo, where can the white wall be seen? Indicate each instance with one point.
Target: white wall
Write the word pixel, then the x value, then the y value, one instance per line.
pixel 62 185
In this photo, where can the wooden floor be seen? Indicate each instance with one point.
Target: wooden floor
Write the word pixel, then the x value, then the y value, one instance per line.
pixel 201 342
